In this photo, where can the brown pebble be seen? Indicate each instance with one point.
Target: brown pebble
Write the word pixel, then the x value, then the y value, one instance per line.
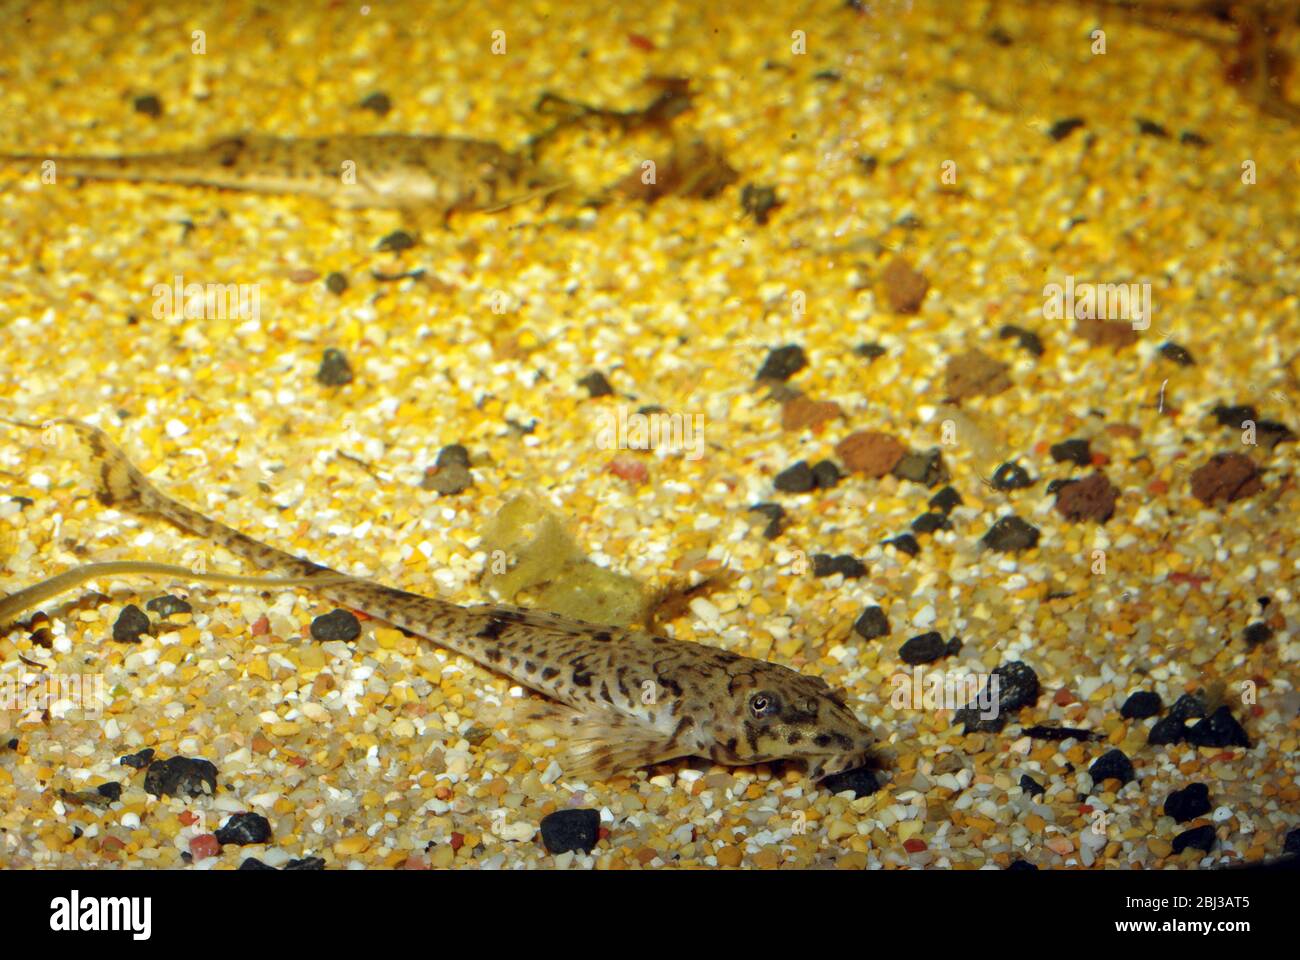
pixel 974 374
pixel 1106 333
pixel 1227 476
pixel 1092 498
pixel 802 412
pixel 870 452
pixel 729 856
pixel 905 286
pixel 1124 430
pixel 769 858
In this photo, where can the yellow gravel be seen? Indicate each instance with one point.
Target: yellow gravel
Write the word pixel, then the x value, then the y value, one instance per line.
pixel 387 752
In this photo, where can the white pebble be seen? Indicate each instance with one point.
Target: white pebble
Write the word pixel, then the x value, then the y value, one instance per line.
pixel 175 429
pixel 924 617
pixel 705 610
pixel 275 857
pixel 518 831
pixel 1221 814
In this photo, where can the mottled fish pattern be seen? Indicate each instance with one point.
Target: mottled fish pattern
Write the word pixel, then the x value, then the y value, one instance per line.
pixel 634 699
pixel 441 174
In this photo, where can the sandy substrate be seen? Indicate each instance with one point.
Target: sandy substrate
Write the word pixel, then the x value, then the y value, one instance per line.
pixel 936 138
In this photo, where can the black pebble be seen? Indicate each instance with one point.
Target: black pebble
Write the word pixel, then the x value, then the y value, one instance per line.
pixel 1112 765
pixel 1187 706
pixel 377 103
pixel 1140 705
pixel 334 370
pixel 862 781
pixel 566 830
pixel 775 514
pixel 448 480
pixel 113 791
pixel 872 624
pixel 1040 732
pixel 306 863
pixel 1167 730
pixel 926 468
pixel 1188 803
pixel 396 242
pixel 131 625
pixel 1232 416
pixel 1219 729
pixel 180 777
pixel 336 625
pixel 1011 476
pixel 905 543
pixel 1269 433
pixel 1198 838
pixel 758 202
pixel 336 283
pixel 1020 866
pixel 930 522
pixel 1063 128
pixel 1056 485
pixel 597 385
pixel 1178 354
pixel 1257 633
pixel 869 350
pixel 245 828
pixel 826 474
pixel 945 500
pixel 166 606
pixel 149 105
pixel 139 760
pixel 1072 451
pixel 850 567
pixel 1151 129
pixel 1292 842
pixel 452 454
pixel 1193 139
pixel 252 863
pixel 1031 786
pixel 798 478
pixel 782 363
pixel 925 648
pixel 1018 687
pixel 1028 340
pixel 1011 533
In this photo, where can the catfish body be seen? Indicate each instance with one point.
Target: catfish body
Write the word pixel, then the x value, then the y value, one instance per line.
pixel 350 171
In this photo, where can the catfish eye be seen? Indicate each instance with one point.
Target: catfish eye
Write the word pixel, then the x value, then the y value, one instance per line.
pixel 764 704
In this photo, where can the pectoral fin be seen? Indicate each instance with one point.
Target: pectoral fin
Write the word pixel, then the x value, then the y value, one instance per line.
pixel 602 743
